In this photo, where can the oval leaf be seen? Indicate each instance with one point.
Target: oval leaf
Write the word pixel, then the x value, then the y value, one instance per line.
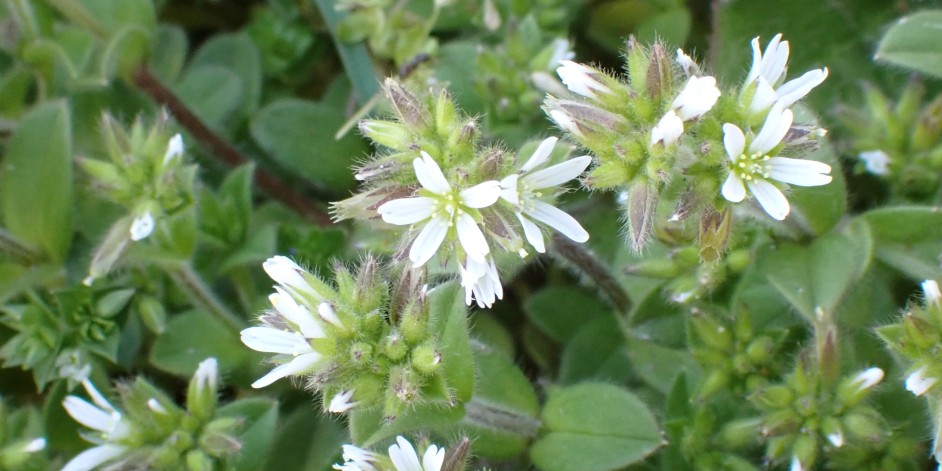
pixel 913 42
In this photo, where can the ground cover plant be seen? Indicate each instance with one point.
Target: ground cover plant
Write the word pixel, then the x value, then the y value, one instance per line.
pixel 448 235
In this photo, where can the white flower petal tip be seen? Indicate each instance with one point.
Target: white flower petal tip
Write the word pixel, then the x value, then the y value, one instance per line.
pixel 285 272
pixel 540 155
pixel 174 148
pixel 918 383
pixel 768 72
pixel 930 288
pixel 142 226
pixel 341 402
pixel 687 63
pixel 836 439
pixel 877 162
pixel 581 79
pixel 868 378
pixel 92 458
pixel 299 365
pixel 562 51
pixel 698 96
pixel 35 445
pixel 796 465
pixel 668 130
pixel 566 123
pixel 207 375
pixel 156 407
pixel 481 283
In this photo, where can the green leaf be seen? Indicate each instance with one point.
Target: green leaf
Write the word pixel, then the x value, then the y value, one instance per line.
pixel 116 15
pixel 169 53
pixel 594 427
pixel 367 426
pixel 213 92
pixel 36 184
pixel 502 414
pixel 192 337
pixel 817 276
pixel 448 318
pixel 597 351
pixel 913 42
pixel 819 208
pixel 306 441
pixel 908 239
pixel 671 26
pixel 258 432
pixel 659 366
pixel 299 135
pixel 560 311
pixel 238 54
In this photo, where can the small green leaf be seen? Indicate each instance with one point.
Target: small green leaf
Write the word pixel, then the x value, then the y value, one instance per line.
pixel 238 54
pixel 36 184
pixel 213 92
pixel 299 135
pixel 819 208
pixel 908 239
pixel 169 53
pixel 659 366
pixel 913 42
pixel 192 337
pixel 594 427
pixel 306 441
pixel 448 318
pixel 502 414
pixel 560 311
pixel 597 351
pixel 258 432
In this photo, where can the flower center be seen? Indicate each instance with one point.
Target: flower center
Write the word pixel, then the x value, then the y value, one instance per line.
pixel 450 205
pixel 752 166
pixel 526 196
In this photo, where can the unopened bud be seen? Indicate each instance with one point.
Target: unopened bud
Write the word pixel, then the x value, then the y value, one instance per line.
pixel 660 76
pixel 114 302
pixel 863 426
pixel 387 133
pixel 640 208
pixel 407 106
pixel 197 460
pixel 711 332
pixel 111 250
pixel 833 432
pixel 361 354
pixel 854 389
pixel 394 346
pixel 713 233
pixel 445 114
pixel 426 359
pixel 457 456
pixel 610 174
pixel 760 350
pixel 201 392
pixel 804 452
pixel 773 397
pixel 152 314
pixel 740 433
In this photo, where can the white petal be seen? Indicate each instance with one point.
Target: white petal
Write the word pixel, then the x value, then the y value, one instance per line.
pixel 270 340
pixel 34 445
pixel 540 155
pixel 532 232
pixel 877 161
pixel 764 96
pixel 687 63
pixel 430 175
pixel 557 174
pixel 207 374
pixel 403 456
pixel 433 459
pixel 471 237
pixel 868 378
pixel 565 122
pixel 930 289
pixel 756 68
pixel 777 124
pixel 796 89
pixel 88 415
pixel 918 383
pixel 557 219
pixel 796 465
pixel 579 79
pixel 289 274
pixel 668 130
pixel 174 148
pixel 142 226
pixel 428 241
pixel 299 364
pixel 481 195
pixel 697 97
pixel 775 59
pixel 297 314
pixel 799 172
pixel 734 141
pixel 94 457
pixel 406 211
pixel 733 188
pixel 770 198
pixel 327 313
pixel 97 397
pixel 509 190
pixel 341 402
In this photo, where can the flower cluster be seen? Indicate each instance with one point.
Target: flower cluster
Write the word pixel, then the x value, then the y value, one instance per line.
pixel 917 336
pixel 669 121
pixel 147 175
pixel 151 430
pixel 355 343
pixel 460 199
pixel 401 456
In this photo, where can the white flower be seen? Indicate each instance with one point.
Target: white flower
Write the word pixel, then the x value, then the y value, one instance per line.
pixel 767 73
pixel 524 190
pixel 753 170
pixel 405 458
pixel 918 383
pixel 174 148
pixel 207 375
pixel 867 379
pixel 445 210
pixel 561 52
pixel 877 161
pixel 142 226
pixel 102 417
pixel 341 402
pixel 687 63
pixel 295 344
pixel 698 96
pixel 565 122
pixel 581 79
pixel 357 459
pixel 290 275
pixel 931 290
pixel 481 281
pixel 668 129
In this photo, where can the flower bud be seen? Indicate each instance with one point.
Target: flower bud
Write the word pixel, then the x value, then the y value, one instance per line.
pixel 610 174
pixel 394 346
pixel 152 314
pixel 640 209
pixel 387 133
pixel 583 80
pixel 446 116
pixel 711 332
pixel 833 432
pixel 863 426
pixel 426 359
pixel 457 457
pixel 111 249
pixel 760 350
pixel 713 233
pixel 361 354
pixel 219 439
pixel 740 433
pixel 804 453
pixel 659 77
pixel 202 390
pixel 196 460
pixel 854 389
pixel 773 397
pixel 114 302
pixel 407 106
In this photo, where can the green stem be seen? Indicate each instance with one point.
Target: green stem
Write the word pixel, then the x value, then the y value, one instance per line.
pixel 76 13
pixel 355 58
pixel 17 251
pixel 492 417
pixel 586 261
pixel 199 292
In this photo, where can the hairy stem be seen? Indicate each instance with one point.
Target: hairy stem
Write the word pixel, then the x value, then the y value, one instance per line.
pixel 193 285
pixel 224 151
pixel 586 261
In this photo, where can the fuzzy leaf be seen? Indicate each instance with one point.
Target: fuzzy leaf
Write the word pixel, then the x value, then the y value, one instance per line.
pixel 913 42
